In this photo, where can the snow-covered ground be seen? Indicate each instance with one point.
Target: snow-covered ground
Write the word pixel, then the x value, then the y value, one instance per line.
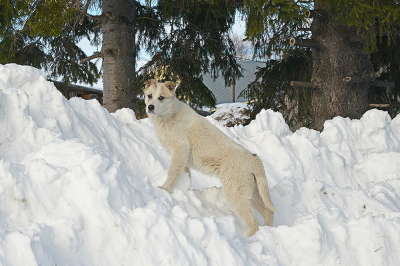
pixel 78 186
pixel 231 114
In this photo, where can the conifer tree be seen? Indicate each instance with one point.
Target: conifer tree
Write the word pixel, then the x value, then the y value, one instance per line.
pixel 44 34
pixel 194 40
pixel 344 37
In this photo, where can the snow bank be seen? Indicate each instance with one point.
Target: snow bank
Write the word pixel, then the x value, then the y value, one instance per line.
pixel 78 187
pixel 232 114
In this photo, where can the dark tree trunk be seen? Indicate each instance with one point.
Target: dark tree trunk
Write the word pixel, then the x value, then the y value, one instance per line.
pixel 118 49
pixel 339 55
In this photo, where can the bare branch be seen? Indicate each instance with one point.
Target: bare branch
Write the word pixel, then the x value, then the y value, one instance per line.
pixel 356 79
pixel 374 82
pixel 90 57
pixel 85 9
pixel 379 105
pixel 101 18
pixel 303 42
pixel 383 83
pixel 303 29
pixel 303 84
pixel 318 13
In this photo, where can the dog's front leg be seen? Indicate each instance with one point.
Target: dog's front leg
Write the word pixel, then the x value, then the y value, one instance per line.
pixel 179 159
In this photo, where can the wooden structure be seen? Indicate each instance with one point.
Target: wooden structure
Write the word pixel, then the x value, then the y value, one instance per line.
pixel 84 92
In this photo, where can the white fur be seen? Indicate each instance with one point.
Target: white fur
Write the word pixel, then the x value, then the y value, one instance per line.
pixel 194 142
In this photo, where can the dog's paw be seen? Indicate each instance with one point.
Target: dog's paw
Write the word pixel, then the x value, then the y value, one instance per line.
pixel 168 189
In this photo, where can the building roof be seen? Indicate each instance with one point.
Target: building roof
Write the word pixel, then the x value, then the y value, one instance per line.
pixel 225 94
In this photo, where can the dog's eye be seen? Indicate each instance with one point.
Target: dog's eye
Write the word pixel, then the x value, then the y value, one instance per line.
pixel 161 98
pixel 149 96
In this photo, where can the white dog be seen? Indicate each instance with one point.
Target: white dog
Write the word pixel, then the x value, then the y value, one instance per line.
pixel 194 142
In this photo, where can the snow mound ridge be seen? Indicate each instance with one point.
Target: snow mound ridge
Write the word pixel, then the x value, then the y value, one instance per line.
pixel 78 186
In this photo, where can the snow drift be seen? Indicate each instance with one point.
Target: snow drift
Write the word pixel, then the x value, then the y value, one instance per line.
pixel 78 186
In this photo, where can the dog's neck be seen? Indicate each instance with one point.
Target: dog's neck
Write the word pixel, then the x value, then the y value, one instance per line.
pixel 161 119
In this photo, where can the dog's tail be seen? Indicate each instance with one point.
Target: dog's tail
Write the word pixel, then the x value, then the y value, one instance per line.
pixel 262 185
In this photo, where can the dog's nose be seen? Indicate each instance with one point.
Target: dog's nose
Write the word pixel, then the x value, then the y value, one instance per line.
pixel 150 107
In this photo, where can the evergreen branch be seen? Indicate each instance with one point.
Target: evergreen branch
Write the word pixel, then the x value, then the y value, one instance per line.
pixel 155 58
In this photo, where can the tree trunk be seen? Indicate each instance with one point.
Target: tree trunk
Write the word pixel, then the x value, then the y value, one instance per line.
pixel 339 55
pixel 118 52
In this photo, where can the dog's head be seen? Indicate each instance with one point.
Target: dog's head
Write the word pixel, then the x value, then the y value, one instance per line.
pixel 159 97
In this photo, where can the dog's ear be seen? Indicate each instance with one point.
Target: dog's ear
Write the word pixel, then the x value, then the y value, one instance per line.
pixel 149 83
pixel 170 85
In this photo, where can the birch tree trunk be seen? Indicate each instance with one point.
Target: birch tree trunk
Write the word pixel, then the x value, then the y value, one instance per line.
pixel 118 53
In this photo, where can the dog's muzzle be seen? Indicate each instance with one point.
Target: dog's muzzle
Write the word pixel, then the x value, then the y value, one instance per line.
pixel 150 108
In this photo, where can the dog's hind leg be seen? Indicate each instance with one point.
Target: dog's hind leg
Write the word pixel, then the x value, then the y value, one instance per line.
pixel 239 200
pixel 259 205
